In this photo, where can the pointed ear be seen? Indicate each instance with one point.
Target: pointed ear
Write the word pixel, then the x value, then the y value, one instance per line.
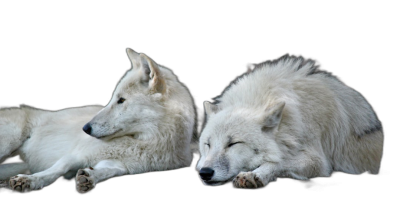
pixel 153 74
pixel 273 115
pixel 210 108
pixel 134 57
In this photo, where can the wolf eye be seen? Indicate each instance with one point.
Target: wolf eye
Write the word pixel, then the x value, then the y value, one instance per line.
pixel 207 145
pixel 231 144
pixel 121 100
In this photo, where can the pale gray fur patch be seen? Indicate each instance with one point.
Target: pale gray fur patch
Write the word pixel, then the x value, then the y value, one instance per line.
pixel 224 163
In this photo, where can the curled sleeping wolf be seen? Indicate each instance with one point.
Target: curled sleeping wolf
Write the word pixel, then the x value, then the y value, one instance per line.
pixel 287 118
pixel 148 125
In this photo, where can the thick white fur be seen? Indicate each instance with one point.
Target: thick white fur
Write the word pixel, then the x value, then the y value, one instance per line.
pixel 288 118
pixel 150 131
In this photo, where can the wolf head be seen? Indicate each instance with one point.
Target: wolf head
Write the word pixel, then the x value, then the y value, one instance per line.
pixel 136 104
pixel 237 139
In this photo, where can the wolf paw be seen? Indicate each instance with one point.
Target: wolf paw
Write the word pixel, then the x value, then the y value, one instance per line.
pixel 20 183
pixel 247 180
pixel 84 182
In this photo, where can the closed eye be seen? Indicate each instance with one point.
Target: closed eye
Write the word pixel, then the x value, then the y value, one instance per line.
pixel 231 144
pixel 121 100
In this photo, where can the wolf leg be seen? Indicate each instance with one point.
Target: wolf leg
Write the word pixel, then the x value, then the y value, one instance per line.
pixel 39 180
pixel 13 131
pixel 302 167
pixel 10 169
pixel 87 178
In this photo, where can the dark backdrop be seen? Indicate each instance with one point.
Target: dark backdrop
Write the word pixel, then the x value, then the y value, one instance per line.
pixel 71 57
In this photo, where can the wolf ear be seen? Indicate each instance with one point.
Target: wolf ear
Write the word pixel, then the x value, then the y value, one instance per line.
pixel 153 74
pixel 273 115
pixel 210 108
pixel 134 57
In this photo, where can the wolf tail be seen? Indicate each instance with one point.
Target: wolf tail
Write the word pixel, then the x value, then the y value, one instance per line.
pixel 11 169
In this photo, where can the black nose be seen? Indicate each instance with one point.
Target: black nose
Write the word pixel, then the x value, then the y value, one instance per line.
pixel 206 173
pixel 87 129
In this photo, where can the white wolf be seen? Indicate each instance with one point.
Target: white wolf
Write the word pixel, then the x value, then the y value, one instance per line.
pixel 287 118
pixel 148 125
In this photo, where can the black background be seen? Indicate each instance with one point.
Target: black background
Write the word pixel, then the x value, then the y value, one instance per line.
pixel 55 57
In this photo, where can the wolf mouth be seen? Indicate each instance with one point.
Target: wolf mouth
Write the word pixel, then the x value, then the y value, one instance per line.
pixel 213 183
pixel 216 183
pixel 108 136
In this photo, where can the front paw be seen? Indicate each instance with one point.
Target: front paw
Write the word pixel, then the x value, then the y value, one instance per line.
pixel 84 182
pixel 247 180
pixel 20 183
